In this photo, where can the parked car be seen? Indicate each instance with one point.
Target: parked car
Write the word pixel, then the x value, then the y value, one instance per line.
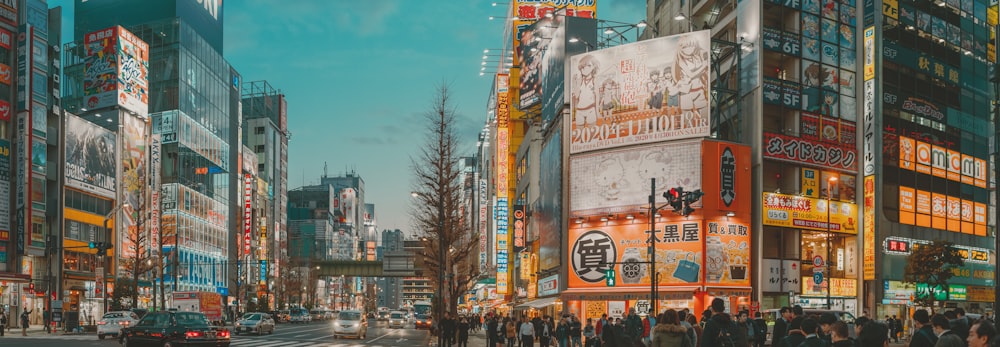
pixel 423 321
pixel 299 315
pixel 166 328
pixel 255 322
pixel 113 322
pixel 350 323
pixel 397 319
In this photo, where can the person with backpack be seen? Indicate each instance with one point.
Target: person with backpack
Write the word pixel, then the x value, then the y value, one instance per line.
pixel 24 322
pixel 924 335
pixel 720 329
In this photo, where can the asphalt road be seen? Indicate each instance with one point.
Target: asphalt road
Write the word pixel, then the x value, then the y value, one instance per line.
pixel 314 334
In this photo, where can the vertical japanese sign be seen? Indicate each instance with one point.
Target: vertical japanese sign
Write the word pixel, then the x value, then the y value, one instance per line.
pixel 869 230
pixel 247 212
pixel 23 178
pixel 154 192
pixel 503 167
pixel 519 226
pixel 4 190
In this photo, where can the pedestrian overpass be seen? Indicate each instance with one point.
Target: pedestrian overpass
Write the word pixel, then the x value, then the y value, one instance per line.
pixel 393 264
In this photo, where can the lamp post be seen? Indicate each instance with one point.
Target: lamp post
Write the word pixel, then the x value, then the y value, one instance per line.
pixel 653 280
pixel 829 271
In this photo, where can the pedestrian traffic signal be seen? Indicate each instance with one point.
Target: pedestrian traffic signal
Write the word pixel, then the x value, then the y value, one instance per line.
pixel 675 198
pixel 689 199
pixel 101 247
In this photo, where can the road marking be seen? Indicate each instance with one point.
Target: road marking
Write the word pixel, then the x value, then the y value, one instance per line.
pixel 378 338
pixel 301 331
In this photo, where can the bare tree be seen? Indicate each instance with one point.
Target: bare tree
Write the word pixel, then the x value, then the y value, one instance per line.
pixel 437 210
pixel 137 237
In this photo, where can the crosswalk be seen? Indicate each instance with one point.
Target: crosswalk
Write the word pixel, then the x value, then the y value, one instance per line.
pixel 236 342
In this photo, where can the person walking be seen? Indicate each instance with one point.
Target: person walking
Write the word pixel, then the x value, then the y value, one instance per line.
pixel 924 336
pixel 575 330
pixel 448 328
pixel 781 325
pixel 633 328
pixel 545 333
pixel 3 321
pixel 668 332
pixel 840 335
pixel 463 332
pixel 562 332
pixel 511 329
pixel 24 322
pixel 589 333
pixel 693 322
pixel 760 330
pixel 609 335
pixel 527 332
pixel 946 337
pixel 648 323
pixel 598 329
pixel 720 330
pixel 811 328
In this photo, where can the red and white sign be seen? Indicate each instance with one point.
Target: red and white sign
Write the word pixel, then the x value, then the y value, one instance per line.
pixel 793 149
pixel 247 212
pixel 5 39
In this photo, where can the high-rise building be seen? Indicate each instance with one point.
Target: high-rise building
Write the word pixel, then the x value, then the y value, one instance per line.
pixel 265 133
pixel 390 288
pixel 194 109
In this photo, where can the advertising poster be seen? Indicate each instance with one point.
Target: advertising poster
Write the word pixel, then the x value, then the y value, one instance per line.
pixel 726 173
pixel 869 229
pixel 90 157
pixel 649 91
pixel 133 70
pixel 618 180
pixel 38 155
pixel 594 249
pixel 800 212
pixel 529 11
pixel 535 42
pixel 727 253
pixel 100 76
pixel 503 176
pixel 548 214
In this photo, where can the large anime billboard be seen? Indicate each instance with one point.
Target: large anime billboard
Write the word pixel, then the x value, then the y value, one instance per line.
pixel 90 157
pixel 116 72
pixel 650 91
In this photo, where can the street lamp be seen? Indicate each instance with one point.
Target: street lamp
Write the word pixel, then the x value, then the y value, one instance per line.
pixel 829 271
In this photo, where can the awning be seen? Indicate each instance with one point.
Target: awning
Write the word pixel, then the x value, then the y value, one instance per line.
pixel 630 293
pixel 538 303
pixel 729 291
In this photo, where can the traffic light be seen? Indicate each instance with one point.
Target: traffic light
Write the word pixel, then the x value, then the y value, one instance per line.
pixel 101 247
pixel 675 198
pixel 689 199
pixel 93 245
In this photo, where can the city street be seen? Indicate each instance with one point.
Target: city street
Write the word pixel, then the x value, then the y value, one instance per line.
pixel 298 335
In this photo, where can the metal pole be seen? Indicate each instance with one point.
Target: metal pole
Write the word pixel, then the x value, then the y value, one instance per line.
pixel 653 283
pixel 104 262
pixel 829 271
pixel 996 172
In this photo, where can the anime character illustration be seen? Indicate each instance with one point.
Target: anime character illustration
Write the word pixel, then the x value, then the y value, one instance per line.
pixel 672 91
pixel 847 58
pixel 830 8
pixel 691 70
pixel 655 88
pixel 848 15
pixel 609 177
pixel 846 36
pixel 655 164
pixel 585 97
pixel 810 26
pixel 810 49
pixel 814 75
pixel 924 21
pixel 829 105
pixel 609 97
pixel 811 6
pixel 830 52
pixel 831 30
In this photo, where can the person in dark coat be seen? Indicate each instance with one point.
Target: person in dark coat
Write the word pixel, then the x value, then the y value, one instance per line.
pixel 721 320
pixel 840 335
pixel 960 326
pixel 781 325
pixel 463 332
pixel 946 337
pixel 795 335
pixel 760 330
pixel 609 334
pixel 810 327
pixel 924 335
pixel 448 328
pixel 873 334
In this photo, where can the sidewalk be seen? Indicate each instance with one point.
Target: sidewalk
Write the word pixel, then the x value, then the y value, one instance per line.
pixel 38 330
pixel 476 339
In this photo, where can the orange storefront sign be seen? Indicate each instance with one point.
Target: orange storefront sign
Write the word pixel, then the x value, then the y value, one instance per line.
pixel 594 249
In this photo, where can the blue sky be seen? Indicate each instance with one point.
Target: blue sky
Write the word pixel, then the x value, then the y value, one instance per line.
pixel 358 75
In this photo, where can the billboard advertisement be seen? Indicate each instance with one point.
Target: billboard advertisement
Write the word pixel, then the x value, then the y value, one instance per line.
pixel 90 157
pixel 649 91
pixel 133 73
pixel 116 71
pixel 154 191
pixel 247 212
pixel 792 211
pixel 554 67
pixel 100 76
pixel 527 12
pixel 535 42
pixel 548 214
pixel 618 180
pixel 594 249
pixel 803 151
pixel 502 177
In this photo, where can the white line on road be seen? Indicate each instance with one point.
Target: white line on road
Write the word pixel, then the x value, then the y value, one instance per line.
pixel 377 338
pixel 301 331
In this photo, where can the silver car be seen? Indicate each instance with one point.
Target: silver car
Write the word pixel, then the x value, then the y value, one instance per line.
pixel 397 319
pixel 255 322
pixel 351 323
